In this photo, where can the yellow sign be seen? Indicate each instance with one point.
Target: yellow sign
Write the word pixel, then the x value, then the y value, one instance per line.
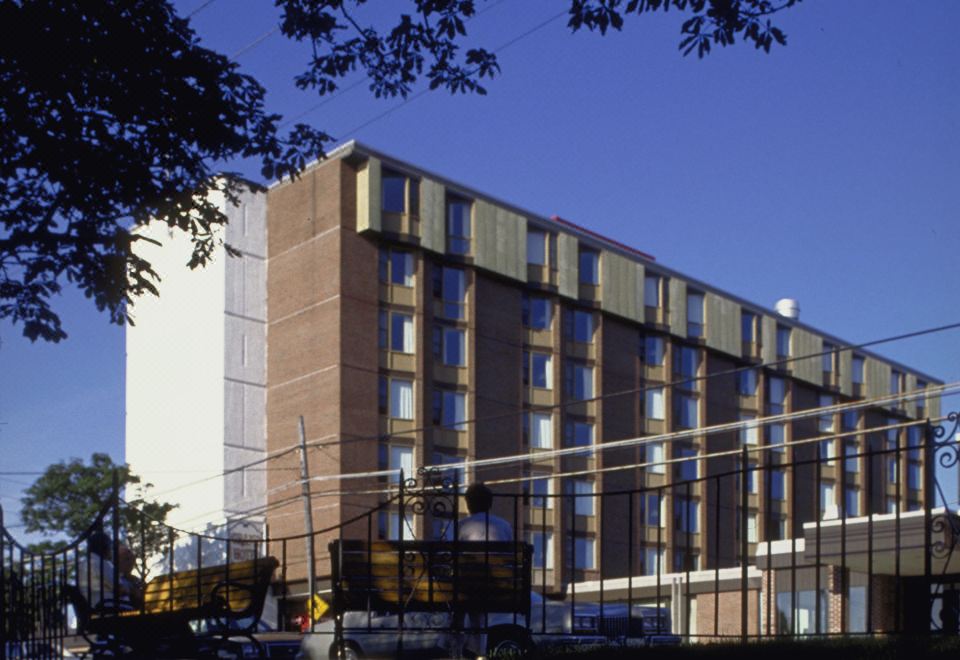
pixel 318 607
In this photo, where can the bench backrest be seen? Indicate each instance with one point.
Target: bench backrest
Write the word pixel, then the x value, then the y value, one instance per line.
pixel 237 589
pixel 393 576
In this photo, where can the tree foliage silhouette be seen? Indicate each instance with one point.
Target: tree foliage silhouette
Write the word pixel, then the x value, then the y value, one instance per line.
pixel 113 114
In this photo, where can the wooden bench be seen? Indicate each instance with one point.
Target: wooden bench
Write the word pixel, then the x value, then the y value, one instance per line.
pixel 431 576
pixel 228 597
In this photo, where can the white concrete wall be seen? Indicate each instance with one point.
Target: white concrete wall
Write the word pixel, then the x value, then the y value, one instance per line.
pixel 175 381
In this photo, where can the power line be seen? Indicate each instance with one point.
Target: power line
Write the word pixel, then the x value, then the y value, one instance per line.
pixel 321 443
pixel 200 8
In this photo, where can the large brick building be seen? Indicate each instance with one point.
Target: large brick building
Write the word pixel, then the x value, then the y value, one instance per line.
pixel 401 307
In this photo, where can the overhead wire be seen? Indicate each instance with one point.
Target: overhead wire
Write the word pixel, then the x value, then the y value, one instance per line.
pixel 340 441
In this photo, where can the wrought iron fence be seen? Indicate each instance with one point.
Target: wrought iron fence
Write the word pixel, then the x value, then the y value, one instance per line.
pixel 744 545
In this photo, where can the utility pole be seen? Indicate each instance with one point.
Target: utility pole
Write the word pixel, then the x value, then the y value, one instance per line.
pixel 308 520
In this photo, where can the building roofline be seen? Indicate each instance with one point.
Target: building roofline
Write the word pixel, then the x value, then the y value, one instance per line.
pixel 356 149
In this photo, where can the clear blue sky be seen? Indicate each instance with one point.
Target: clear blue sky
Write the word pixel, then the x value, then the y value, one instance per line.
pixel 826 171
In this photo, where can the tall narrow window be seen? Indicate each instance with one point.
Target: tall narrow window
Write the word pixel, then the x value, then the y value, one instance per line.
pixel 401 398
pixel 579 381
pixel 536 247
pixel 826 360
pixel 778 485
pixel 537 312
pixel 542 543
pixel 747 382
pixel 450 345
pixel 584 551
pixel 783 341
pixel 748 432
pixel 394 192
pixel 541 430
pixel 578 433
pixel 450 409
pixel 653 350
pixel 825 426
pixel 686 515
pixel 401 332
pixel 582 492
pixel 579 324
pixel 589 266
pixel 458 226
pixel 686 364
pixel 538 370
pixel 540 490
pixel 655 457
pixel 689 468
pixel 396 267
pixel 828 500
pixel 651 291
pixel 686 411
pixel 653 403
pixel 450 286
pixel 396 457
pixel 856 370
pixel 748 325
pixel 695 316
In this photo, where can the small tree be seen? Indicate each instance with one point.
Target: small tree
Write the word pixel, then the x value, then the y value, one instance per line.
pixel 67 497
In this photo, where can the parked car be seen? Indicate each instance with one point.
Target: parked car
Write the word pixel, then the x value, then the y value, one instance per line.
pixel 553 624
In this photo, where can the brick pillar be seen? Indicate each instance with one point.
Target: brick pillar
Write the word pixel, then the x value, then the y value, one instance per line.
pixel 768 590
pixel 835 598
pixel 882 608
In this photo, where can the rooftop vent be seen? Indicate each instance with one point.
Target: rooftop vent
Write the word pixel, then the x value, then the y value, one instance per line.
pixel 788 308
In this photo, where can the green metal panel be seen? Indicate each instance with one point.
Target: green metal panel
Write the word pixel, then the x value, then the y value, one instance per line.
pixel 811 368
pixel 641 273
pixel 433 215
pixel 723 324
pixel 567 277
pixel 678 307
pixel 618 282
pixel 909 385
pixel 511 245
pixel 876 378
pixel 368 196
pixel 768 337
pixel 845 366
pixel 484 234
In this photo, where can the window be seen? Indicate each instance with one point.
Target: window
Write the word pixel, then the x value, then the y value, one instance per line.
pixel 580 326
pixel 542 543
pixel 396 457
pixel 850 420
pixel 655 455
pixel 851 501
pixel 695 316
pixel 538 370
pixel 443 458
pixel 783 341
pixel 450 345
pixel 589 267
pixel 749 433
pixel 753 487
pixel 653 350
pixel 540 429
pixel 896 382
pixel 689 469
pixel 747 382
pixel 914 442
pixel 388 523
pixel 579 383
pixel 777 436
pixel 686 559
pixel 829 354
pixel 748 325
pixel 751 528
pixel 686 363
pixel 856 370
pixel 536 247
pixel 921 403
pixel 651 291
pixel 778 485
pixel 651 510
pixel 686 514
pixel 450 409
pixel 450 286
pixel 396 331
pixel 914 476
pixel 458 225
pixel 825 421
pixel 540 489
pixel 776 395
pixel 653 561
pixel 686 411
pixel 396 267
pixel 537 312
pixel 582 492
pixel 584 553
pixel 399 194
pixel 578 434
pixel 828 501
pixel 396 397
pixel 851 461
pixel 653 400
